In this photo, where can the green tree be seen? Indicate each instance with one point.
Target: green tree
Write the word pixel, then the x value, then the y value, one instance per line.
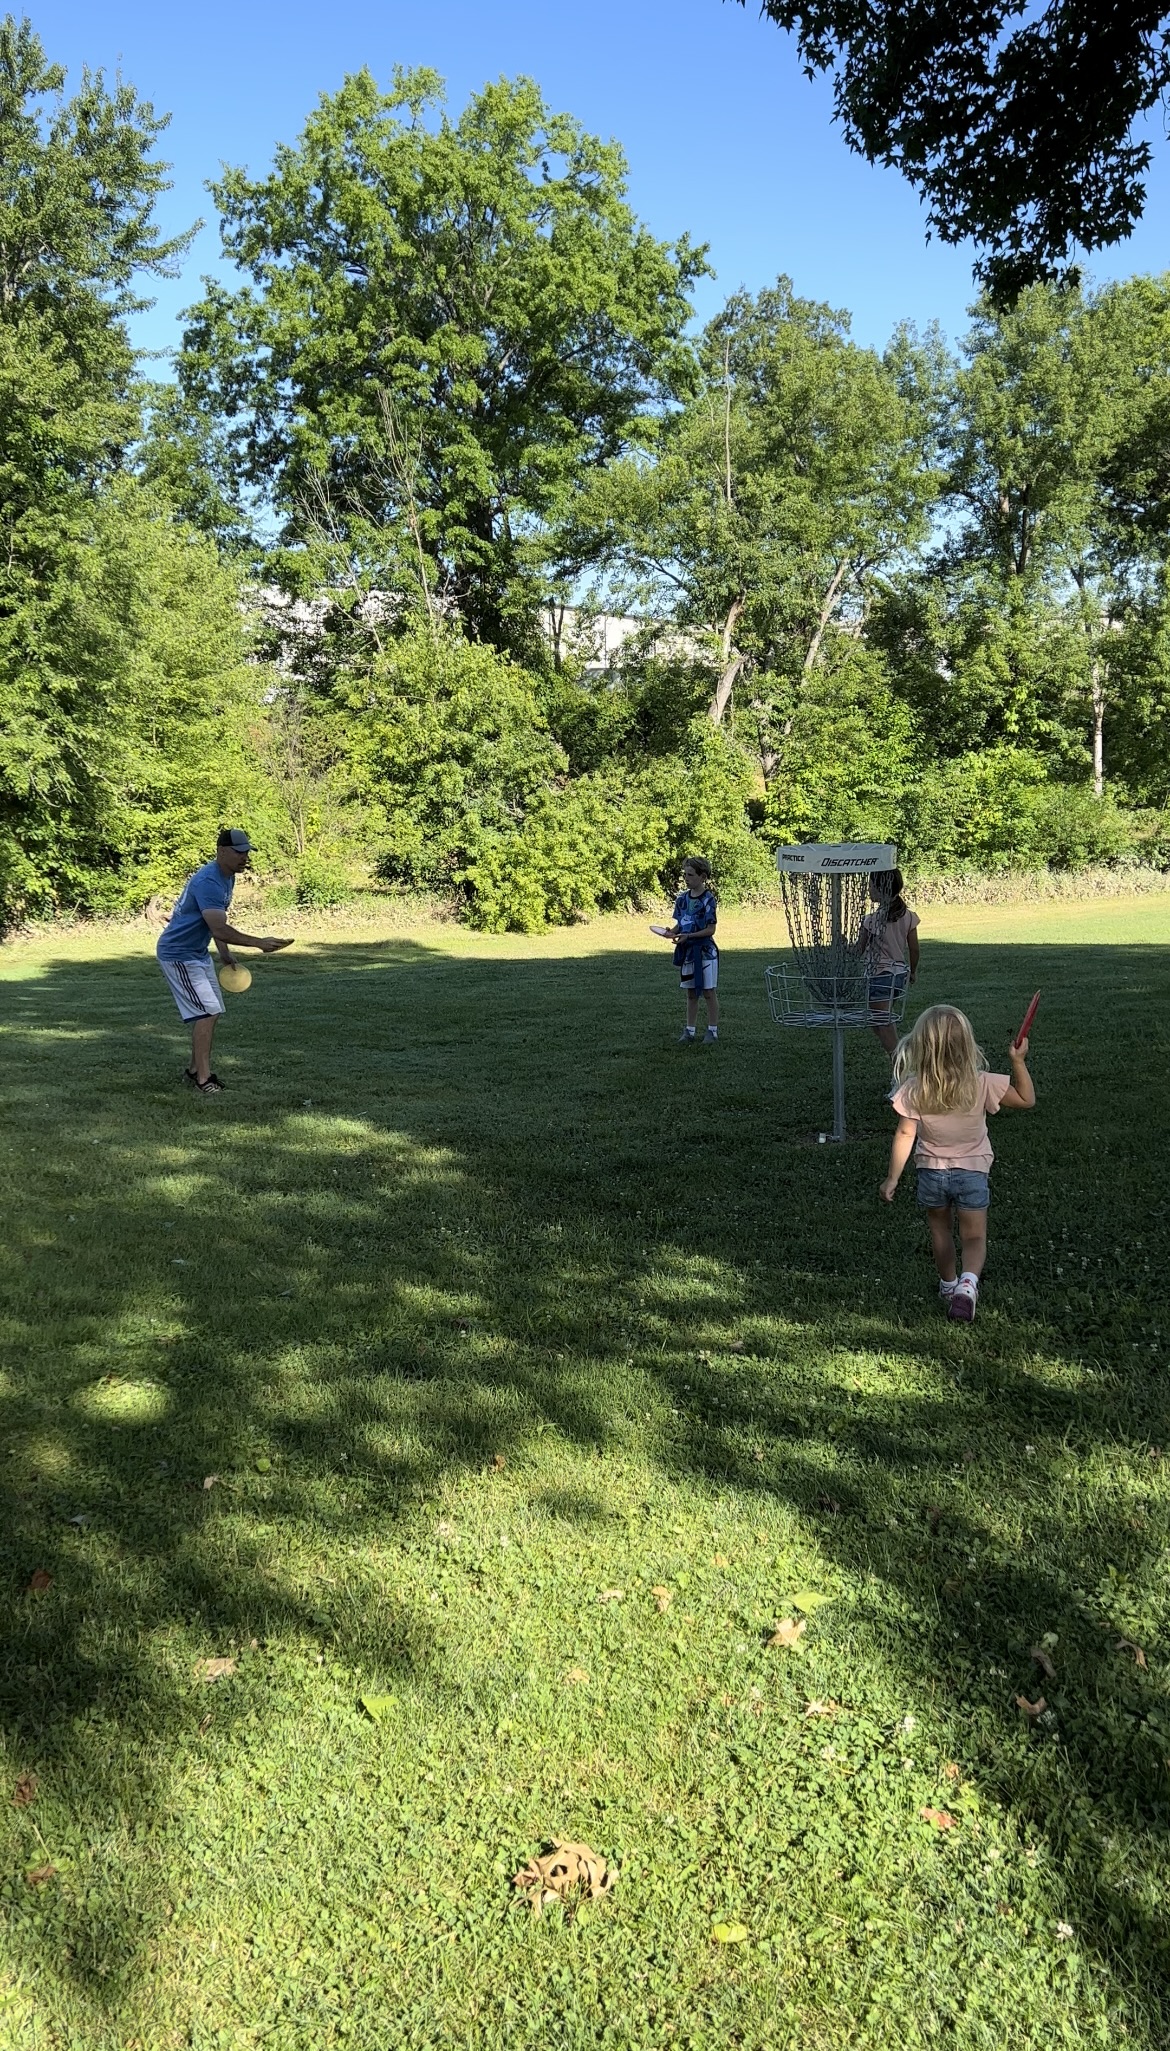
pixel 78 184
pixel 799 471
pixel 447 323
pixel 1015 124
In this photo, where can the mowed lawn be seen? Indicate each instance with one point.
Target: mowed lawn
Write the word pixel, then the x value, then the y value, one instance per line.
pixel 484 1354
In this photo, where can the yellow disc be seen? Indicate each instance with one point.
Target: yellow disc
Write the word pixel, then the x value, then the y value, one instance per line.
pixel 235 981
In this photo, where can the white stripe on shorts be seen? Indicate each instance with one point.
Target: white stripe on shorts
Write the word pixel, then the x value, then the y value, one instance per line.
pixel 194 988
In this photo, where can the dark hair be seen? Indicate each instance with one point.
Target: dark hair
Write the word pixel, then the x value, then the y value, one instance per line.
pixel 700 864
pixel 888 885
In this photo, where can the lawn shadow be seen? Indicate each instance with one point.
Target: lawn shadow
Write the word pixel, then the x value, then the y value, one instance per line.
pixel 487 1196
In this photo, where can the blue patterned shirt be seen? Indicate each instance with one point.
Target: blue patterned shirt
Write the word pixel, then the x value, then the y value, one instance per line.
pixel 691 914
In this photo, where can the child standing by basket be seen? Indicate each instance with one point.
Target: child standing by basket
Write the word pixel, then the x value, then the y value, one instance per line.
pixel 943 1096
pixel 889 941
pixel 696 955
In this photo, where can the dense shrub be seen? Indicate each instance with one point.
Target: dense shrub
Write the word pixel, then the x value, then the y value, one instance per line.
pixel 997 809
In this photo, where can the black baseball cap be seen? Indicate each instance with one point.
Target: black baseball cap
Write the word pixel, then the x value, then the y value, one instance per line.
pixel 234 836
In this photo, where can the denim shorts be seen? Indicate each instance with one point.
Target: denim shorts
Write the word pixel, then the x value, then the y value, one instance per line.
pixel 885 987
pixel 966 1187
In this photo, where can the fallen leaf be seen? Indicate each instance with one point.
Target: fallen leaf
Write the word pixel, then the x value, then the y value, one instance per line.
pixel 25 1791
pixel 567 1873
pixel 808 1600
pixel 612 1595
pixel 951 1771
pixel 818 1708
pixel 39 1581
pixel 1127 1645
pixel 378 1706
pixel 941 1818
pixel 1040 1658
pixel 730 1933
pixel 205 1724
pixel 578 1676
pixel 663 1597
pixel 82 1520
pixel 39 1875
pixel 737 1346
pixel 719 1559
pixel 786 1632
pixel 1031 1709
pixel 215 1669
pixel 209 1480
pixel 829 1504
pixel 262 1464
pixel 498 1461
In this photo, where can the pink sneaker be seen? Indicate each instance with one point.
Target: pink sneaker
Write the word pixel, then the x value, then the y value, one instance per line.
pixel 964 1297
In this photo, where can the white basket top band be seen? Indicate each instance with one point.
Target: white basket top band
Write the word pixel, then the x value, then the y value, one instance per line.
pixel 842 858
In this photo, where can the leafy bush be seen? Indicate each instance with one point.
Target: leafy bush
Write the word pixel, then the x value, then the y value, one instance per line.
pixel 321 883
pixel 447 746
pixel 996 809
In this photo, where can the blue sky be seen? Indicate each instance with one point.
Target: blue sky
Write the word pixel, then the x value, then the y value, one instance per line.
pixel 724 136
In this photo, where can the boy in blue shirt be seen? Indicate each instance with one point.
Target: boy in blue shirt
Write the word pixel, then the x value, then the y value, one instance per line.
pixel 695 953
pixel 184 949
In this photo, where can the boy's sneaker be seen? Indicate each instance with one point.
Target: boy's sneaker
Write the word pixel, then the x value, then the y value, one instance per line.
pixel 684 1037
pixel 964 1297
pixel 710 1039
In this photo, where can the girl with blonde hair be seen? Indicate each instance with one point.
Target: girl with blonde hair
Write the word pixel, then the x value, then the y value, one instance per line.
pixel 943 1095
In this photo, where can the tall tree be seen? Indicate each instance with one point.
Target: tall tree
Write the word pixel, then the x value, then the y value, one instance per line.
pixel 1015 124
pixel 799 469
pixel 447 322
pixel 78 185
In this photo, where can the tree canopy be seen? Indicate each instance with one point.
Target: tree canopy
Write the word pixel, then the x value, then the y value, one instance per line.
pixel 1015 124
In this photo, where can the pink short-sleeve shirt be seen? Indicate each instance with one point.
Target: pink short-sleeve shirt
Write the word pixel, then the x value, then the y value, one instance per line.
pixel 892 947
pixel 956 1139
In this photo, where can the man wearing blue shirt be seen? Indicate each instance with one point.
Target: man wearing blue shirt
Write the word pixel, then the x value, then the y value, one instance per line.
pixel 184 949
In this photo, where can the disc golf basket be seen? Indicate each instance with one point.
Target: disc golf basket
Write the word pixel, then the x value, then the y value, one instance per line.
pixel 827 984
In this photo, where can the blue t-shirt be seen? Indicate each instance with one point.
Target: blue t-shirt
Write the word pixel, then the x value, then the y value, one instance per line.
pixel 691 914
pixel 186 934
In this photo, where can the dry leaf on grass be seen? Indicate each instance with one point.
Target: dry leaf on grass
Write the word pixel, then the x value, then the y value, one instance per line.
pixel 578 1676
pixel 818 1708
pixel 498 1461
pixel 787 1631
pixel 1127 1645
pixel 25 1791
pixel 569 1873
pixel 719 1559
pixel 205 1724
pixel 1031 1710
pixel 215 1669
pixel 951 1771
pixel 737 1346
pixel 663 1597
pixel 941 1818
pixel 39 1580
pixel 209 1480
pixel 1041 1659
pixel 612 1595
pixel 39 1874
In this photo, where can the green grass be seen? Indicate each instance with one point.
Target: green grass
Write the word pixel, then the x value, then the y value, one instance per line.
pixel 481 1298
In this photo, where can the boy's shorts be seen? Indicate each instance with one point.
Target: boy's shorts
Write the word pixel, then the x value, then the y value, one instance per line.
pixel 686 979
pixel 194 988
pixel 966 1187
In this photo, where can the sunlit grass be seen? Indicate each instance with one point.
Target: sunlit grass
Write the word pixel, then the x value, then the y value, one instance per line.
pixel 474 1301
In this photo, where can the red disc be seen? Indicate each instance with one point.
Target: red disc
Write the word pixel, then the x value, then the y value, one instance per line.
pixel 1029 1015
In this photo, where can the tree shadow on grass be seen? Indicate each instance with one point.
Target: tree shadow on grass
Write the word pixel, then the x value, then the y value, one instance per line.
pixel 450 1202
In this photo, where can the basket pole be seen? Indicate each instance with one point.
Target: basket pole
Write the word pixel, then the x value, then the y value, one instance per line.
pixel 838 1082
